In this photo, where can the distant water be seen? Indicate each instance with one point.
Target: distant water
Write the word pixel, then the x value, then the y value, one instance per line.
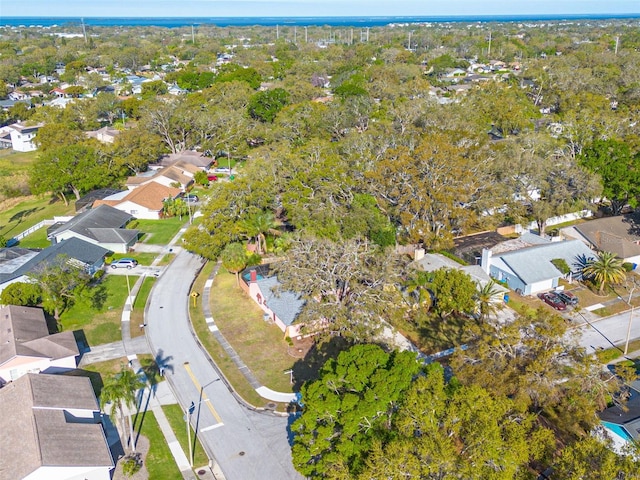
pixel 174 22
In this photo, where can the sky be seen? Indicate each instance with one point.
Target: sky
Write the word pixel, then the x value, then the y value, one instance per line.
pixel 303 8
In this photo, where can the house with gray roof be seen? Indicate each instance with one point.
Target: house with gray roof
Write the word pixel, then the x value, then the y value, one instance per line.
pixel 622 422
pixel 81 254
pixel 529 269
pixel 103 226
pixel 50 429
pixel 619 235
pixel 279 306
pixel 28 347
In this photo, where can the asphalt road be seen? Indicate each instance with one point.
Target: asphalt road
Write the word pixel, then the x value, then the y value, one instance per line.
pixel 610 331
pixel 247 445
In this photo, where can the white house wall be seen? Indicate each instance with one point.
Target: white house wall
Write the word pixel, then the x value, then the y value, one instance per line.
pixel 138 211
pixel 542 286
pixel 70 473
pixel 20 365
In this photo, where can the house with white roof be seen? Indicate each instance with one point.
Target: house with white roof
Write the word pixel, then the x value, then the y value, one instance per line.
pixel 526 264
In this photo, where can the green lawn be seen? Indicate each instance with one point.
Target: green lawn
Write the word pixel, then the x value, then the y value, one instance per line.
pixel 223 361
pixel 160 232
pixel 261 345
pixel 100 324
pixel 18 214
pixel 175 416
pixel 144 258
pixel 137 315
pixel 37 239
pixel 159 461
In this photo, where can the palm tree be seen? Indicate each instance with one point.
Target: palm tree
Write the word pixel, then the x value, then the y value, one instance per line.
pixel 120 390
pixel 486 304
pixel 607 268
pixel 256 225
pixel 234 259
pixel 418 286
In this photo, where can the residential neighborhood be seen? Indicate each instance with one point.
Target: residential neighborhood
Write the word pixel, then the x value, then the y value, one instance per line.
pixel 262 251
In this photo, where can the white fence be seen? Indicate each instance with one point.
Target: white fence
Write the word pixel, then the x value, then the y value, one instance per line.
pixel 38 226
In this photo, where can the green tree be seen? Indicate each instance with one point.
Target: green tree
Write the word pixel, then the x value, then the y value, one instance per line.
pixel 255 226
pixel 347 285
pixel 619 170
pixel 121 391
pixel 72 168
pixel 454 292
pixel 488 299
pixel 348 406
pixel 234 259
pixel 264 106
pixel 605 269
pixel 21 293
pixel 593 459
pixel 175 207
pixel 61 284
pixel 445 430
pixel 154 88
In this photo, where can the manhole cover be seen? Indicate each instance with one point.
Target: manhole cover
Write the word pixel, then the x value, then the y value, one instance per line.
pixel 271 405
pixel 241 454
pixel 201 472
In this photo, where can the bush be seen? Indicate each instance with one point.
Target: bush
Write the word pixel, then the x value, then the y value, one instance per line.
pixel 628 266
pixel 99 274
pixel 561 264
pixel 131 465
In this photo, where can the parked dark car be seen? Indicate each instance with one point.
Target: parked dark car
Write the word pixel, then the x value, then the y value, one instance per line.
pixel 568 298
pixel 553 300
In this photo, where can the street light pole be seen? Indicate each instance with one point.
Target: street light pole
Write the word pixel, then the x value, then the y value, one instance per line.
pixel 192 408
pixel 626 345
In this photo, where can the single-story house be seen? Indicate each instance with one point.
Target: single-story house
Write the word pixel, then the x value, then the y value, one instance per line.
pixel 434 261
pixel 144 202
pixel 623 422
pixel 103 226
pixel 619 235
pixel 529 269
pixel 179 174
pixel 86 201
pixel 280 307
pixel 469 247
pixel 27 346
pixel 104 134
pixel 191 157
pixel 51 430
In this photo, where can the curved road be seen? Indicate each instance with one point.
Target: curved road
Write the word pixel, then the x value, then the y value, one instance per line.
pixel 246 445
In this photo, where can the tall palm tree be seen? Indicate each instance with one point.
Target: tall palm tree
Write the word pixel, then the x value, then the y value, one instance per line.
pixel 120 390
pixel 606 268
pixel 486 296
pixel 256 225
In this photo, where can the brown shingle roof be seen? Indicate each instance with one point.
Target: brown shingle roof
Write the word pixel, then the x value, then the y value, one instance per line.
pixel 150 195
pixel 36 431
pixel 619 235
pixel 24 332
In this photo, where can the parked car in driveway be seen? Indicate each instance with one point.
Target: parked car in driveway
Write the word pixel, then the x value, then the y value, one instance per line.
pixel 553 300
pixel 124 263
pixel 568 298
pixel 212 178
pixel 190 198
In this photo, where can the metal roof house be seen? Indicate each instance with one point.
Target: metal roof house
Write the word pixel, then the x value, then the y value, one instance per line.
pixel 530 270
pixel 50 429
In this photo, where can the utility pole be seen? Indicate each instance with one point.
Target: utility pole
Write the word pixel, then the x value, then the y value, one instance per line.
pixel 295 35
pixel 84 31
pixel 277 32
pixel 626 345
pixel 617 43
pixel 306 39
pixel 489 49
pixel 193 36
